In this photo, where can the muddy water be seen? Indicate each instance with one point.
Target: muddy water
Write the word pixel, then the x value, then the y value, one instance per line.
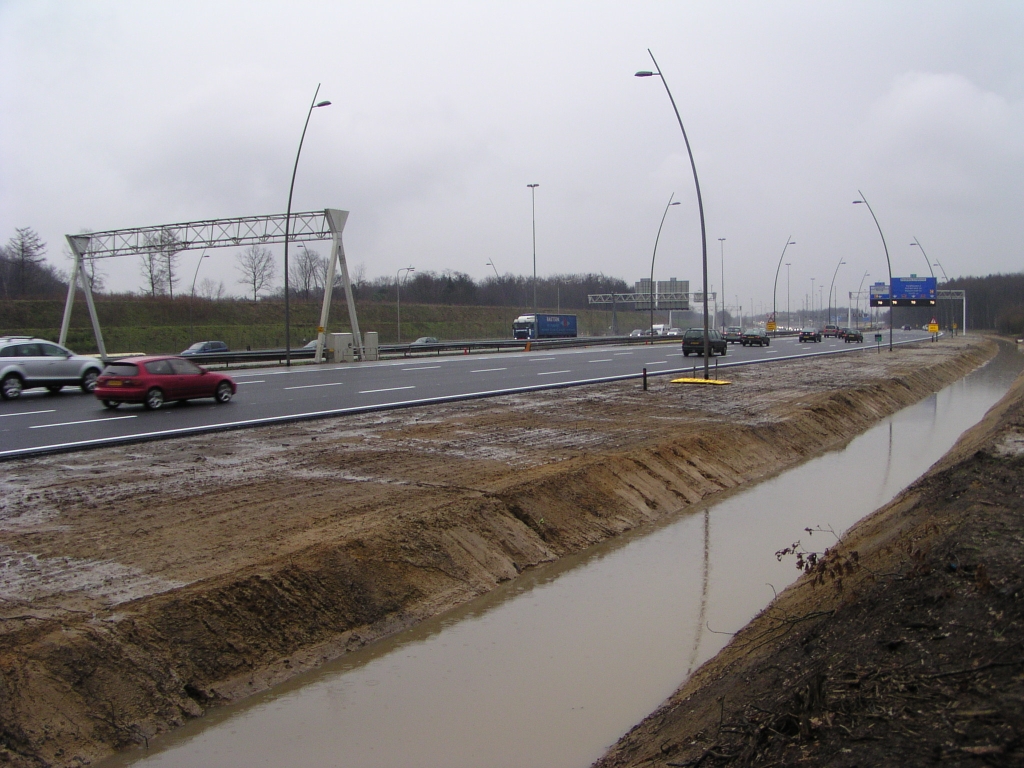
pixel 551 670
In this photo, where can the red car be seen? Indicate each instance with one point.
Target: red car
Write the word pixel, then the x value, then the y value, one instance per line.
pixel 154 381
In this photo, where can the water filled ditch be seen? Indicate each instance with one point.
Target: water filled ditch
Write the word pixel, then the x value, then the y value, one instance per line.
pixel 550 670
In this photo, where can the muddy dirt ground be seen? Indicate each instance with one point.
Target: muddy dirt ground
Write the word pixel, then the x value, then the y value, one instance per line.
pixel 140 585
pixel 901 645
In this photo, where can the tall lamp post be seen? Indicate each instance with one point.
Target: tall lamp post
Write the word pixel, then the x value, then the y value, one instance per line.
pixel 887 261
pixel 721 243
pixel 932 271
pixel 814 311
pixel 700 206
pixel 789 316
pixel 287 224
pixel 775 286
pixel 490 264
pixel 859 289
pixel 656 239
pixel 828 319
pixel 533 205
pixel 193 299
pixel 398 296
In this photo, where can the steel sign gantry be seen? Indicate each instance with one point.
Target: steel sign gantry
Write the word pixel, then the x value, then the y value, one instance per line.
pixel 326 224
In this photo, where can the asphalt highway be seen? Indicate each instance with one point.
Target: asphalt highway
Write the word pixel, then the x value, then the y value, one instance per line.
pixel 39 422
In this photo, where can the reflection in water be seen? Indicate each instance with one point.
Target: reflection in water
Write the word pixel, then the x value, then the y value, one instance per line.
pixel 702 614
pixel 551 669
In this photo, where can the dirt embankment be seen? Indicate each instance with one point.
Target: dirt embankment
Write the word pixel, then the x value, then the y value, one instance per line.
pixel 903 645
pixel 141 585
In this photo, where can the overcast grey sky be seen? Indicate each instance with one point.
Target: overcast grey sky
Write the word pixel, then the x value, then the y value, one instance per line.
pixel 122 114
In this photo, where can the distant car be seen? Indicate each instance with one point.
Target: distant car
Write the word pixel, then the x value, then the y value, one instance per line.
pixel 831 330
pixel 753 336
pixel 27 362
pixel 638 332
pixel 693 341
pixel 205 348
pixel 154 381
pixel 852 334
pixel 733 334
pixel 424 340
pixel 906 327
pixel 674 332
pixel 809 334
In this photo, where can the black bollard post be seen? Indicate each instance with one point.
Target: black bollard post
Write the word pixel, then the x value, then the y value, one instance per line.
pixel 645 379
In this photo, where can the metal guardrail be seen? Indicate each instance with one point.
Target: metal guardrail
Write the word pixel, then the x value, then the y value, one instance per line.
pixel 441 348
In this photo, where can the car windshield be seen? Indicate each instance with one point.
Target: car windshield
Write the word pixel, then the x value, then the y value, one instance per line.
pixel 197 346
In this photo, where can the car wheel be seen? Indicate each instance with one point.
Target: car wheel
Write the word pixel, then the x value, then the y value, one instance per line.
pixel 53 389
pixel 10 388
pixel 724 351
pixel 768 342
pixel 111 404
pixel 89 380
pixel 223 393
pixel 154 399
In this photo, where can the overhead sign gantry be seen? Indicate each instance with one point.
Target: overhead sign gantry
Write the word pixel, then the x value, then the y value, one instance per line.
pixel 215 233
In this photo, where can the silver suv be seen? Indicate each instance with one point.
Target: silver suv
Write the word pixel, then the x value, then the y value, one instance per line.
pixel 26 363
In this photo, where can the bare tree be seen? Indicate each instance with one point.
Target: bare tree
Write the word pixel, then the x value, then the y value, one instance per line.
pixel 24 258
pixel 304 272
pixel 160 263
pixel 210 289
pixel 256 264
pixel 153 272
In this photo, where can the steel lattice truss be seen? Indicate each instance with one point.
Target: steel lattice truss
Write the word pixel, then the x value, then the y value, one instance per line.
pixel 660 299
pixel 214 233
pixel 952 295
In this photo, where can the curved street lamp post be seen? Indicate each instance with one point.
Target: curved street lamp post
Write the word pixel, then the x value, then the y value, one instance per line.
pixel 887 261
pixel 193 299
pixel 398 296
pixel 533 206
pixel 287 222
pixel 859 289
pixel 828 319
pixel 656 239
pixel 775 315
pixel 721 242
pixel 700 205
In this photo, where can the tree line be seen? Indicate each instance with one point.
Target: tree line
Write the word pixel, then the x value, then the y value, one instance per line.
pixel 994 302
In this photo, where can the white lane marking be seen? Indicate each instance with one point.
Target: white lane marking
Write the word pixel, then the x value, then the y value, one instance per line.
pixel 389 389
pixel 27 413
pixel 677 354
pixel 551 373
pixel 311 386
pixel 88 421
pixel 605 360
pixel 658 362
pixel 422 368
pixel 258 381
pixel 622 353
pixel 540 359
pixel 488 370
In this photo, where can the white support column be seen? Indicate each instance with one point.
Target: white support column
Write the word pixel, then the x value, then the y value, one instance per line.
pixel 79 244
pixel 70 302
pixel 336 221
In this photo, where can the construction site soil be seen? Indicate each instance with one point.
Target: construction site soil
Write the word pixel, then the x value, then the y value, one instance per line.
pixel 141 585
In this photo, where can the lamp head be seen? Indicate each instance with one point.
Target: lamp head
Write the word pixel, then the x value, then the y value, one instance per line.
pixel 857 202
pixel 677 203
pixel 645 73
pixel 322 104
pixel 532 186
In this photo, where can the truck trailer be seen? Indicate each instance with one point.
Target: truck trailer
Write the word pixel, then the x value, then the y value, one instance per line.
pixel 544 327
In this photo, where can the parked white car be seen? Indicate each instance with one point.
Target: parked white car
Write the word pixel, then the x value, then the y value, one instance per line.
pixel 26 363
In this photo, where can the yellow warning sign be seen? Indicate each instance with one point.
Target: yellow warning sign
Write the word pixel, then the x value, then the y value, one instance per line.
pixel 933 327
pixel 770 326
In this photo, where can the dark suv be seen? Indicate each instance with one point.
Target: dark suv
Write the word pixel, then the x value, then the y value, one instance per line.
pixel 693 341
pixel 26 362
pixel 753 336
